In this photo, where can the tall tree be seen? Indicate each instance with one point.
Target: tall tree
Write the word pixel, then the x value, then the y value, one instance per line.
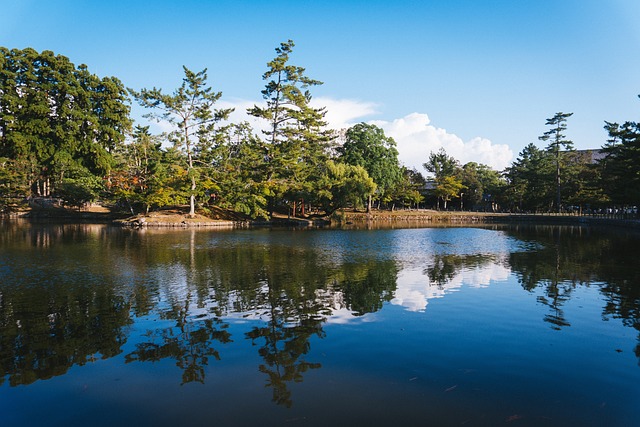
pixel 296 135
pixel 190 110
pixel 366 145
pixel 558 147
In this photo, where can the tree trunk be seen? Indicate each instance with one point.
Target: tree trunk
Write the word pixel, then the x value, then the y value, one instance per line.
pixel 192 199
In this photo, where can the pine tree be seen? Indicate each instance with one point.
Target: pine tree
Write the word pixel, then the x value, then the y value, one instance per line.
pixel 558 146
pixel 190 110
pixel 296 136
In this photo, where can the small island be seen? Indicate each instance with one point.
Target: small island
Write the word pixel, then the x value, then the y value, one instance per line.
pixel 82 151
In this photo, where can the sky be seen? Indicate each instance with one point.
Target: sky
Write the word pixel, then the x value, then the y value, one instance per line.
pixel 478 78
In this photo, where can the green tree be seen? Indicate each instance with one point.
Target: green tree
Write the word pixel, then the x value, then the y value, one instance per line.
pixel 240 172
pixel 343 184
pixel 584 184
pixel 190 110
pixel 407 191
pixel 558 148
pixel 296 138
pixel 528 180
pixel 57 120
pixel 484 186
pixel 621 165
pixel 366 145
pixel 447 174
pixel 145 175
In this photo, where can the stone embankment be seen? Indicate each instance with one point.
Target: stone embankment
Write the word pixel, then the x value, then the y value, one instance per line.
pixel 462 218
pixel 419 217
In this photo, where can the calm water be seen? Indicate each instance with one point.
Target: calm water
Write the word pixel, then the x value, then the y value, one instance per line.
pixel 535 326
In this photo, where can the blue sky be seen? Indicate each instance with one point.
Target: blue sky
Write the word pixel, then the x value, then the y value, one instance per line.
pixel 476 77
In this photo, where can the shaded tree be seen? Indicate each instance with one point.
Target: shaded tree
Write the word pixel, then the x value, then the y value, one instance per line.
pixel 528 180
pixel 483 186
pixel 621 165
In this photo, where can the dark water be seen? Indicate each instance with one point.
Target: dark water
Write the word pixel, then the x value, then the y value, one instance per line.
pixel 535 326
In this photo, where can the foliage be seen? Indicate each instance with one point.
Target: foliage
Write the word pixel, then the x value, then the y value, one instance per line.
pixel 56 117
pixel 621 166
pixel 366 145
pixel 528 180
pixel 296 141
pixel 343 185
pixel 407 191
pixel 190 110
pixel 483 186
pixel 67 132
pixel 559 149
pixel 447 175
pixel 79 191
pixel 239 173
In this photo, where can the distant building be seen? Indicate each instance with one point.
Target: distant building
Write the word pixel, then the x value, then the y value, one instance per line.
pixel 591 156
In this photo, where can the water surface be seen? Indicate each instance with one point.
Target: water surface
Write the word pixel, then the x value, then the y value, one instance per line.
pixel 434 326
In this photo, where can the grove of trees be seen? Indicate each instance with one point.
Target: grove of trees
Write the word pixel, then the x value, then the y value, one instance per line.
pixel 67 134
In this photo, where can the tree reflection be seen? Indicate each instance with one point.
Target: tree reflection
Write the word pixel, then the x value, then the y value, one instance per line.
pixel 367 285
pixel 189 342
pixel 289 286
pixel 283 349
pixel 443 268
pixel 44 330
pixel 572 256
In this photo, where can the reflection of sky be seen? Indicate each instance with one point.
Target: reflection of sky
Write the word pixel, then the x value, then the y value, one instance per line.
pixel 415 249
pixel 414 289
pixel 411 249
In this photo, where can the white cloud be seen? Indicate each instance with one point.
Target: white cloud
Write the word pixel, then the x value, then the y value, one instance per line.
pixel 416 138
pixel 344 113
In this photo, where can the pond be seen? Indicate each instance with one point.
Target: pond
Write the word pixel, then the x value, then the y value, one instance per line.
pixel 523 326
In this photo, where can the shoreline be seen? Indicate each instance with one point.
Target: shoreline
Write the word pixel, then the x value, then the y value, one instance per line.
pixel 177 219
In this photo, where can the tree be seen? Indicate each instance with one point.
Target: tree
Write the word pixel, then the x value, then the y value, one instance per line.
pixel 145 176
pixel 240 171
pixel 557 147
pixel 343 184
pixel 483 186
pixel 190 110
pixel 366 145
pixel 621 164
pixel 407 191
pixel 528 179
pixel 446 171
pixel 585 183
pixel 296 139
pixel 57 119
